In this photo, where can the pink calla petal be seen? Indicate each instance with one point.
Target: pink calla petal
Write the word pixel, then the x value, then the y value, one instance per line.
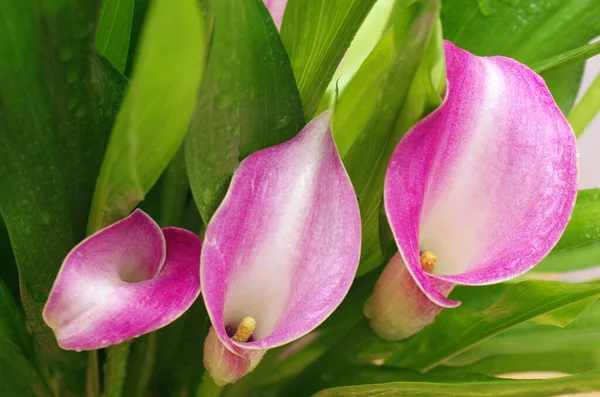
pixel 488 181
pixel 284 245
pixel 124 281
pixel 276 8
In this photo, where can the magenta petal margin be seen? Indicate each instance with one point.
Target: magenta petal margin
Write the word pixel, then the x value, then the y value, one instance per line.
pixel 488 181
pixel 284 245
pixel 124 281
pixel 276 8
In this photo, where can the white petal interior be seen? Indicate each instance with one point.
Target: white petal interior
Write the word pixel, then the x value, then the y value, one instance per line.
pixel 456 216
pixel 262 289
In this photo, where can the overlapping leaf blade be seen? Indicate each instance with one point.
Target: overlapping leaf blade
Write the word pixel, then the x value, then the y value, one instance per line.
pixel 374 111
pixel 570 361
pixel 579 247
pixel 316 34
pixel 457 330
pixel 530 337
pixel 114 31
pixel 248 100
pixel 18 375
pixel 529 31
pixel 153 120
pixel 57 103
pixel 468 386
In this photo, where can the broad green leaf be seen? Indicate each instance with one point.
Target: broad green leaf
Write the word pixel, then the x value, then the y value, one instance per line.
pixel 334 349
pixel 373 27
pixel 316 34
pixel 373 112
pixel 57 103
pixel 248 100
pixel 570 361
pixel 468 386
pixel 153 119
pixel 527 30
pixel 114 30
pixel 579 246
pixel 457 330
pixel 534 337
pixel 587 108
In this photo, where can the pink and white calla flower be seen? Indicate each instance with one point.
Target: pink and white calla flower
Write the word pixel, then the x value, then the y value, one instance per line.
pixel 124 281
pixel 476 193
pixel 276 9
pixel 281 251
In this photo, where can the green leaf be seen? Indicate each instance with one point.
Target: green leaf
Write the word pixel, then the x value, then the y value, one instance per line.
pixel 175 189
pixel 57 103
pixel 373 112
pixel 368 35
pixel 8 270
pixel 18 376
pixel 141 362
pixel 579 246
pixel 564 85
pixel 573 57
pixel 114 31
pixel 248 100
pixel 140 10
pixel 587 108
pixel 208 388
pixel 528 31
pixel 540 337
pixel 457 330
pixel 12 324
pixel 178 367
pixel 316 34
pixel 468 386
pixel 153 119
pixel 570 361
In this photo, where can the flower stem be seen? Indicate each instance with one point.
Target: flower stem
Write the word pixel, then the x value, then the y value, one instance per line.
pixel 93 375
pixel 208 388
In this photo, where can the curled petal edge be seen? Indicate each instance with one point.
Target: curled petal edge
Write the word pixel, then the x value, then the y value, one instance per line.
pixel 495 167
pixel 126 280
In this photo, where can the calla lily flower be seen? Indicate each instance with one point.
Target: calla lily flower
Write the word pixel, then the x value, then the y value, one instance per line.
pixel 476 193
pixel 281 251
pixel 124 281
pixel 276 9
